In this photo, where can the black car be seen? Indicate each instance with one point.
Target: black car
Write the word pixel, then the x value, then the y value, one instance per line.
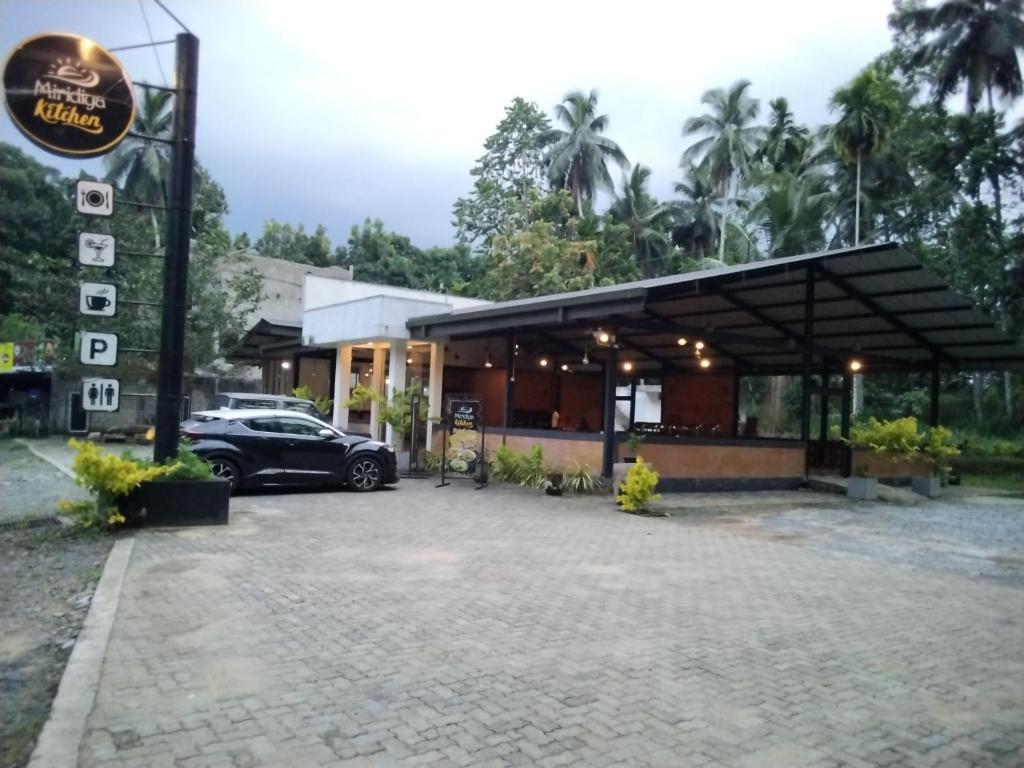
pixel 282 447
pixel 224 401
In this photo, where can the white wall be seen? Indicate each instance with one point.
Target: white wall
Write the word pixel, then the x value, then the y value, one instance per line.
pixel 367 319
pixel 322 292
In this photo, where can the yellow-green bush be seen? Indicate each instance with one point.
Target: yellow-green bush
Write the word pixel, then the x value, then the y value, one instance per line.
pixel 938 446
pixel 897 440
pixel 637 490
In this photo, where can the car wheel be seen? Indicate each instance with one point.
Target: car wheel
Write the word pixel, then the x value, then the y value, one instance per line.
pixel 225 469
pixel 365 474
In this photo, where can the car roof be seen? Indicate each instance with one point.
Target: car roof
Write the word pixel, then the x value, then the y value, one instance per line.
pixel 258 396
pixel 258 413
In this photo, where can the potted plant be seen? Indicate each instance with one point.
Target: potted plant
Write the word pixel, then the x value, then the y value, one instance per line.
pixel 631 446
pixel 396 413
pixel 133 491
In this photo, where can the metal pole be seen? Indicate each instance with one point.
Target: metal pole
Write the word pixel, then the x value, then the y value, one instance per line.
pixel 823 400
pixel 510 373
pixel 846 406
pixel 179 226
pixel 805 379
pixel 611 365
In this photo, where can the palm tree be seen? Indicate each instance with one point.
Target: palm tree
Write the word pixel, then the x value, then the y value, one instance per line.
pixel 578 159
pixel 868 108
pixel 784 140
pixel 790 214
pixel 977 44
pixel 730 143
pixel 696 227
pixel 139 166
pixel 647 220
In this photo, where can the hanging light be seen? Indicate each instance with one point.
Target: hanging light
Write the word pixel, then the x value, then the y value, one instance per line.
pixel 856 365
pixel 698 345
pixel 488 363
pixel 408 360
pixel 705 363
pixel 543 362
pixel 565 366
pixel 286 365
pixel 627 366
pixel 681 341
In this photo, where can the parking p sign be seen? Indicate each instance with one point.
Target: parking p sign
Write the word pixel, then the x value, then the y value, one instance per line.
pixel 98 348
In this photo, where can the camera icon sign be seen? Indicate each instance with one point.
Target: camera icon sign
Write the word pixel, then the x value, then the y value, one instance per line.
pixel 94 198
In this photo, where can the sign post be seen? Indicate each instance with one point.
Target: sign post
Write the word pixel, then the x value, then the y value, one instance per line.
pixel 179 224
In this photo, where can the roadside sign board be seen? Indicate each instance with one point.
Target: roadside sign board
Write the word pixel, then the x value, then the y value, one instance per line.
pixel 96 250
pixel 101 394
pixel 98 348
pixel 68 95
pixel 6 356
pixel 464 450
pixel 97 299
pixel 94 198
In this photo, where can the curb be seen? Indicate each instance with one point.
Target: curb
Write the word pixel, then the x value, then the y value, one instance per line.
pixel 62 733
pixel 47 459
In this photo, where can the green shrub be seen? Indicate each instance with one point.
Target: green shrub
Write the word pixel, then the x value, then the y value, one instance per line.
pixel 507 466
pixel 980 445
pixel 897 440
pixel 637 490
pixel 430 461
pixel 938 446
pixel 323 404
pixel 188 466
pixel 581 480
pixel 534 472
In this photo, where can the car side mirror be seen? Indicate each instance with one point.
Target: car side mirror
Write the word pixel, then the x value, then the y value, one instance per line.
pixel 325 433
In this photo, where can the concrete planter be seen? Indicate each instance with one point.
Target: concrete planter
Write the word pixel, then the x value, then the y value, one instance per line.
pixel 178 502
pixel 865 488
pixel 926 485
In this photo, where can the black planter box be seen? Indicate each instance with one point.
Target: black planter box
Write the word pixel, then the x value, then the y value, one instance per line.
pixel 178 502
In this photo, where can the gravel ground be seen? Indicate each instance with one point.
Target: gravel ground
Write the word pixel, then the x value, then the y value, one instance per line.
pixel 47 575
pixel 30 487
pixel 974 534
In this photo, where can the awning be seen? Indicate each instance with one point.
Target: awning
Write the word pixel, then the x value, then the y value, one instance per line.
pixel 876 303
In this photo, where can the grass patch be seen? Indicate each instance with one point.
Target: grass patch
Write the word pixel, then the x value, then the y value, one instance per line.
pixel 1011 483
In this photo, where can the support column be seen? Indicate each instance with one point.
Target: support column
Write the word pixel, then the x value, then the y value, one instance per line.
pixel 611 366
pixel 342 385
pixel 396 373
pixel 845 410
pixel 434 390
pixel 823 400
pixel 808 341
pixel 377 385
pixel 510 378
pixel 933 411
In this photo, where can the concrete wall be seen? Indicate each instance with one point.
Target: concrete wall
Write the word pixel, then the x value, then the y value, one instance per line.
pixel 322 291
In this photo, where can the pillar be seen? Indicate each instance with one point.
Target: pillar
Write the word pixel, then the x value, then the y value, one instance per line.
pixel 342 385
pixel 823 400
pixel 510 378
pixel 611 365
pixel 434 393
pixel 376 384
pixel 808 352
pixel 396 373
pixel 845 410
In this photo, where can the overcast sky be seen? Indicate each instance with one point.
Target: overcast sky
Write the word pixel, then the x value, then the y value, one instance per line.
pixel 329 112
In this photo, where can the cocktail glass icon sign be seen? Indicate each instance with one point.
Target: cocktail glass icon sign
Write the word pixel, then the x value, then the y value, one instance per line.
pixel 99 246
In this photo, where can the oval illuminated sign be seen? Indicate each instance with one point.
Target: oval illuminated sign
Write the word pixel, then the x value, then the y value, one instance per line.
pixel 68 95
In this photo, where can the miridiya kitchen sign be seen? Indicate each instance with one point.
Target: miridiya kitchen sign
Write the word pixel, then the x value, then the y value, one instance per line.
pixel 68 95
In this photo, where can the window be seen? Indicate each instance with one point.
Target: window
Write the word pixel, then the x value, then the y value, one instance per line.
pixel 305 408
pixel 239 403
pixel 272 426
pixel 299 427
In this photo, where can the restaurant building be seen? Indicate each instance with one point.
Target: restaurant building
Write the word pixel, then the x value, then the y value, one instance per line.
pixel 577 372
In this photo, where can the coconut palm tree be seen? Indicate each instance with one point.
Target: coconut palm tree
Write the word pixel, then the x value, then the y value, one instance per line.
pixel 790 214
pixel 140 167
pixel 868 109
pixel 729 144
pixel 785 142
pixel 578 158
pixel 976 44
pixel 648 222
pixel 696 217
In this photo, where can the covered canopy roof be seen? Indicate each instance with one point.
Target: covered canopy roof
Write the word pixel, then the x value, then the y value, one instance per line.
pixel 876 303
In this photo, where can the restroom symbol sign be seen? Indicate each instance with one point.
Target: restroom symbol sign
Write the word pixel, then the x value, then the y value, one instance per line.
pixel 101 394
pixel 97 299
pixel 98 349
pixel 95 249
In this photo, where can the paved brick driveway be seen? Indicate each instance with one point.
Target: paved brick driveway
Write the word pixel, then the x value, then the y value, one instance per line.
pixel 502 627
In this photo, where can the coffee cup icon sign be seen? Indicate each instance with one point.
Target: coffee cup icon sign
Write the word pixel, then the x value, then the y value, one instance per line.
pixel 97 303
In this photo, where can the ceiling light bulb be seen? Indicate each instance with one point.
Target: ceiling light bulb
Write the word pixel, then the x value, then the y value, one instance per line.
pixel 681 341
pixel 408 360
pixel 543 362
pixel 603 337
pixel 705 363
pixel 565 366
pixel 286 365
pixel 586 359
pixel 699 345
pixel 627 366
pixel 856 365
pixel 488 363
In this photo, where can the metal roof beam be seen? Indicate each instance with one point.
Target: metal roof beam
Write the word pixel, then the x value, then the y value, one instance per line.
pixel 886 315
